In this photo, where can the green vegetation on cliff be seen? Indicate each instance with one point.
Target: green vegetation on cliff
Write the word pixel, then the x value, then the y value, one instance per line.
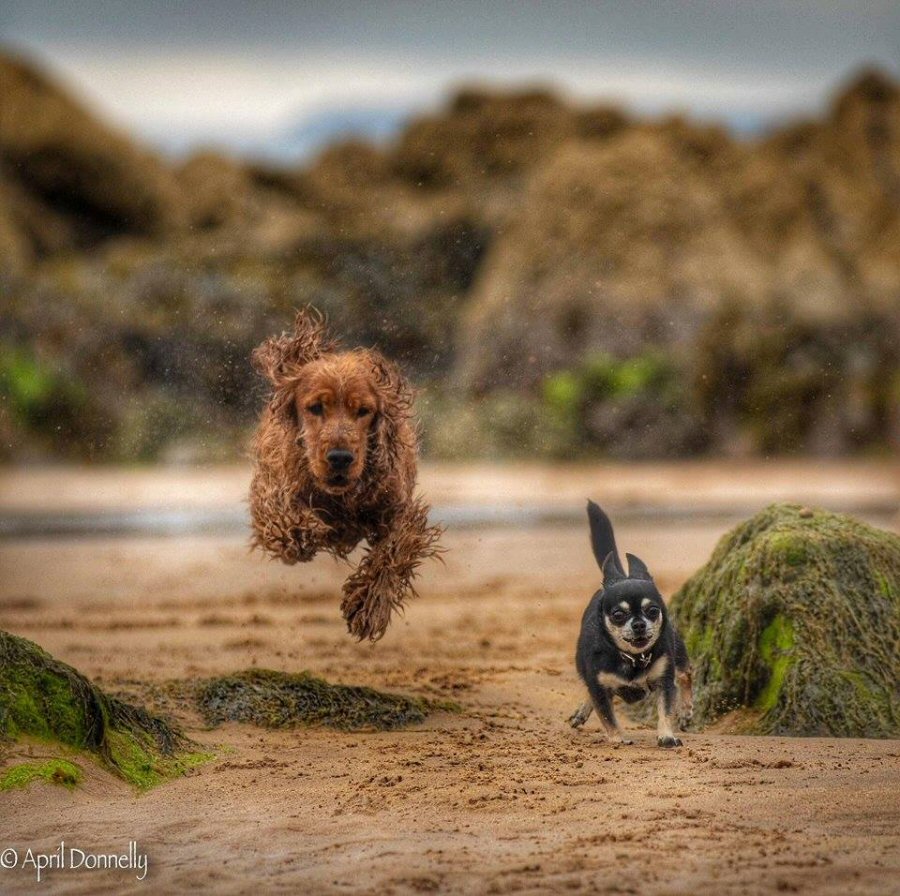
pixel 561 279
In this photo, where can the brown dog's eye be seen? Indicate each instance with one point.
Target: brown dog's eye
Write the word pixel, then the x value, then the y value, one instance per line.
pixel 316 409
pixel 363 412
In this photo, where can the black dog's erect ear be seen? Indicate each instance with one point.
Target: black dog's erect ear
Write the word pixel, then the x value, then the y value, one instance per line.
pixel 612 572
pixel 637 569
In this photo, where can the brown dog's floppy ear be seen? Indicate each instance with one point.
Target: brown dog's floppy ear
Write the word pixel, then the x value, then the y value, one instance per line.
pixel 395 400
pixel 281 358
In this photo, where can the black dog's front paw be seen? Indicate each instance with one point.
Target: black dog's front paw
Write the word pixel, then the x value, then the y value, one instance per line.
pixel 580 716
pixel 668 742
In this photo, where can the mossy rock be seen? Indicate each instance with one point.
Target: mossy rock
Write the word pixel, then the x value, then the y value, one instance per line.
pixel 795 621
pixel 283 700
pixel 45 699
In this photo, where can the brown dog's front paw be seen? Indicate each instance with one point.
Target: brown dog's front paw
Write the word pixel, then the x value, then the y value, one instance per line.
pixel 309 538
pixel 297 544
pixel 581 715
pixel 365 629
pixel 365 625
pixel 299 551
pixel 367 615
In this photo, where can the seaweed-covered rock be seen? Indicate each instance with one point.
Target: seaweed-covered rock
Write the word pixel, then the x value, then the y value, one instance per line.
pixel 41 697
pixel 281 700
pixel 795 620
pixel 641 240
pixel 617 245
pixel 772 381
pixel 83 181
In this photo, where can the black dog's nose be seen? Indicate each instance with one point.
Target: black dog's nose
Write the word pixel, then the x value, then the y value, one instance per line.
pixel 639 627
pixel 339 458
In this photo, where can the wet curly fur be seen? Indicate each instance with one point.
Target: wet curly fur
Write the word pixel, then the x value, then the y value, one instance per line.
pixel 297 511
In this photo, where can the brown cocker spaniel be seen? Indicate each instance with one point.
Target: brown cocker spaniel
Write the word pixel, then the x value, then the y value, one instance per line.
pixel 335 463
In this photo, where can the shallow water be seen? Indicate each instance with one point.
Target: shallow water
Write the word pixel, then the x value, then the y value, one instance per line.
pixel 106 502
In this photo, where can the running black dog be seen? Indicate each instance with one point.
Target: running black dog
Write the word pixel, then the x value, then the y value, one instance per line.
pixel 628 647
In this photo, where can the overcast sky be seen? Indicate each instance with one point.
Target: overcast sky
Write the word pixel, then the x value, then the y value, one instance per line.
pixel 224 71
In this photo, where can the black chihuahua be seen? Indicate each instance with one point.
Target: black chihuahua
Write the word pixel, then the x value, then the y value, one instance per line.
pixel 627 646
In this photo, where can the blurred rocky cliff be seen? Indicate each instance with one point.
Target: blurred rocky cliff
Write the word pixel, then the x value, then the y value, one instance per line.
pixel 560 280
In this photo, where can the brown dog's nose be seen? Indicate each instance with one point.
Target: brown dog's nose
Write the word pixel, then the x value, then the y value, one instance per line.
pixel 339 459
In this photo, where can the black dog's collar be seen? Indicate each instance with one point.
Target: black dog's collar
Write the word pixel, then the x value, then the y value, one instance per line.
pixel 641 661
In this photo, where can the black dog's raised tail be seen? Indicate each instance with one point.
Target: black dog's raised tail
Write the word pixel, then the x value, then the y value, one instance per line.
pixel 603 541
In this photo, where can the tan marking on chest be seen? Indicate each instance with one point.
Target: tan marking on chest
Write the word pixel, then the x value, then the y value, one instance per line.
pixel 651 674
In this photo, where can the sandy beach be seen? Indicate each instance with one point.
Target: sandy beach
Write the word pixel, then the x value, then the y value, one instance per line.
pixel 502 797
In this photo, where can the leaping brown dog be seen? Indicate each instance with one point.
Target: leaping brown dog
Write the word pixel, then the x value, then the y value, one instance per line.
pixel 335 463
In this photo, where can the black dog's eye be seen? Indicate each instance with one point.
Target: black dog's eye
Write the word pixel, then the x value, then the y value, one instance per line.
pixel 363 412
pixel 316 409
pixel 618 617
pixel 652 613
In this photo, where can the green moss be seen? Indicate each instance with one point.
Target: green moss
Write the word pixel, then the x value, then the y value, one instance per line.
pixel 699 642
pixel 43 698
pixel 54 771
pixel 884 586
pixel 775 651
pixel 47 400
pixel 797 617
pixel 637 406
pixel 790 546
pixel 25 383
pixel 603 376
pixel 141 763
pixel 40 395
pixel 563 391
pixel 281 700
pixel 500 424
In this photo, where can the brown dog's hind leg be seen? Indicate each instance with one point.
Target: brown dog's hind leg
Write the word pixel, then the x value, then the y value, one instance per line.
pixel 383 580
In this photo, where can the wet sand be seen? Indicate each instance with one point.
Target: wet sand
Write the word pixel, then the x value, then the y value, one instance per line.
pixel 501 798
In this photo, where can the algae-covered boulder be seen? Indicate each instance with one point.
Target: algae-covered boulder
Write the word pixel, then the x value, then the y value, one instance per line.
pixel 45 699
pixel 282 700
pixel 82 181
pixel 795 621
